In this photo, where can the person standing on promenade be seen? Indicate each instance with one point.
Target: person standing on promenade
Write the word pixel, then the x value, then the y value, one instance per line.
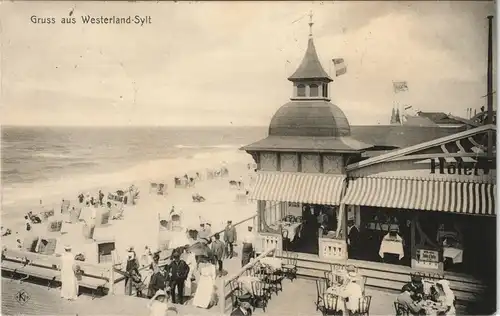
pixel 218 251
pixel 179 271
pixel 229 239
pixel 247 251
pixel 69 283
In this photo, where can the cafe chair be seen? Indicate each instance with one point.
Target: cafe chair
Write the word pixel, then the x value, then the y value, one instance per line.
pixel 330 305
pixel 330 279
pixel 274 279
pixel 364 306
pixel 401 310
pixel 260 295
pixel 321 287
pixel 289 265
pixel 334 267
pixel 237 293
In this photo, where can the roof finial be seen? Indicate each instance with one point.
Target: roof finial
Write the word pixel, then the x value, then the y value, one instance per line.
pixel 311 23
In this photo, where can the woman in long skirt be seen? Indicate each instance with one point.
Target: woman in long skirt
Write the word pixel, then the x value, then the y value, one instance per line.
pixel 205 292
pixel 69 283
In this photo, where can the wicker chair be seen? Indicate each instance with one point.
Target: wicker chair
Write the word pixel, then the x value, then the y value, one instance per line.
pixel 330 278
pixel 330 305
pixel 289 266
pixel 401 310
pixel 260 295
pixel 364 306
pixel 321 286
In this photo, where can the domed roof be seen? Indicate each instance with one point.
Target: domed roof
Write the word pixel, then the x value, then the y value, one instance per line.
pixel 309 118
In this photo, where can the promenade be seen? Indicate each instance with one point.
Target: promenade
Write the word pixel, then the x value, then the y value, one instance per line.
pixel 298 298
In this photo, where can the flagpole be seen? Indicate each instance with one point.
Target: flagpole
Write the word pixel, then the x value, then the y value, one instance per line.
pixel 490 84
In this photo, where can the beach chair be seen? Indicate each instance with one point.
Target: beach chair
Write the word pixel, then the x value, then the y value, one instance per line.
pixel 65 206
pixel 162 189
pixel 153 186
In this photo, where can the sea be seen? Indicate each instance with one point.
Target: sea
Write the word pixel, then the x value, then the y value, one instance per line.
pixel 38 161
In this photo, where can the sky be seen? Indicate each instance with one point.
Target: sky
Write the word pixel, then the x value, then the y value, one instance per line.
pixel 226 63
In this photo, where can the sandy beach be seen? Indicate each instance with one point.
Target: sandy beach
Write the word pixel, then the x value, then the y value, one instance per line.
pixel 140 226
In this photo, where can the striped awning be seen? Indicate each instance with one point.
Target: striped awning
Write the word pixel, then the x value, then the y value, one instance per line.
pixel 418 194
pixel 298 187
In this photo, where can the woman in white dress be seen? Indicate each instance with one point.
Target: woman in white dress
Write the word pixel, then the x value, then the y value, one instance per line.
pixel 205 292
pixel 446 296
pixel 190 259
pixel 69 283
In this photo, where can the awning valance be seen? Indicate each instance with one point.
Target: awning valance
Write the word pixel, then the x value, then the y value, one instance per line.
pixel 432 195
pixel 298 187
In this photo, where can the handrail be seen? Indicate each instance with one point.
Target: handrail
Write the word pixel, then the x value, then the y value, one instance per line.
pixel 163 262
pixel 226 282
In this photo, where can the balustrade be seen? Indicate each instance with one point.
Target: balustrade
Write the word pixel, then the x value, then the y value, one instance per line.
pixel 335 249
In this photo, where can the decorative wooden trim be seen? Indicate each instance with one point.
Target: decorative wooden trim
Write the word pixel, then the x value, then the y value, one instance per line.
pixel 299 162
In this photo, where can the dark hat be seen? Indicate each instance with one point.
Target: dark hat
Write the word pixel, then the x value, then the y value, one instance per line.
pixel 416 279
pixel 407 288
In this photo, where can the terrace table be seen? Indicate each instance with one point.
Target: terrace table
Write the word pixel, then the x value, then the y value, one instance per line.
pixel 394 246
pixel 274 263
pixel 455 254
pixel 293 229
pixel 433 308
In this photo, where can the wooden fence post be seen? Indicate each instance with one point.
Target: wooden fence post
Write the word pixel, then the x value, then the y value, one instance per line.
pixel 222 296
pixel 112 274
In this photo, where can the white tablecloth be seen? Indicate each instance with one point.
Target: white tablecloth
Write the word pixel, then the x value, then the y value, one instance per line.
pixel 274 263
pixel 392 246
pixel 293 229
pixel 455 254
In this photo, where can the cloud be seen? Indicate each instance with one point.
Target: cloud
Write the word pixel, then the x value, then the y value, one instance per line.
pixel 216 63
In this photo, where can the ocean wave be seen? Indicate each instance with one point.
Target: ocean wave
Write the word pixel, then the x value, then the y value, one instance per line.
pixel 221 146
pixel 158 169
pixel 54 155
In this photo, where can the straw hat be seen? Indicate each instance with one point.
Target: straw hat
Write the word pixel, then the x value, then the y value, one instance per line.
pixel 160 293
pixel 67 247
pixel 352 274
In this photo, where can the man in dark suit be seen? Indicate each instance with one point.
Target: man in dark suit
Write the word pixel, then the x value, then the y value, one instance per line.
pixel 218 251
pixel 178 272
pixel 229 238
pixel 352 239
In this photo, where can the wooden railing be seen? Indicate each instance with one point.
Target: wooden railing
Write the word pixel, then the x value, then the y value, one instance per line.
pixel 225 291
pixel 48 267
pixel 268 241
pixel 330 248
pixel 169 251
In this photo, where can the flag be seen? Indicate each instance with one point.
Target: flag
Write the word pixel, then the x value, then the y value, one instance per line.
pixel 340 67
pixel 400 86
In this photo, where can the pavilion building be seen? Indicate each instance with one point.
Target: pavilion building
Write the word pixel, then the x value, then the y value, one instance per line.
pixel 431 188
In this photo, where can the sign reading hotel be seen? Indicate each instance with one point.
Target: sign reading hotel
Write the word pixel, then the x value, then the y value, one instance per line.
pixel 460 168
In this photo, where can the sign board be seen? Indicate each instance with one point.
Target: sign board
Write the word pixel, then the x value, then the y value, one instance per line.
pixel 428 255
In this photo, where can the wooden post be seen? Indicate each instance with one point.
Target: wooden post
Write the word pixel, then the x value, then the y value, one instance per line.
pixel 413 248
pixel 112 274
pixel 222 296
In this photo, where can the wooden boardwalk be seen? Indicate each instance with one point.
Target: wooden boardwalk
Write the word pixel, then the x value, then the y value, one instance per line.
pixel 298 298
